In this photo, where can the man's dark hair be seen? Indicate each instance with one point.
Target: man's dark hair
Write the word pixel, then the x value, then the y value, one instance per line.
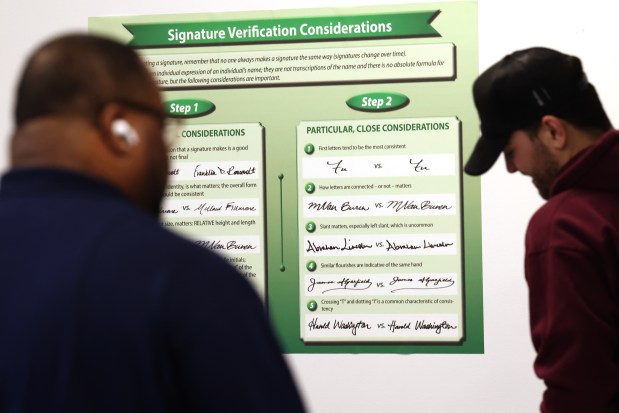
pixel 76 75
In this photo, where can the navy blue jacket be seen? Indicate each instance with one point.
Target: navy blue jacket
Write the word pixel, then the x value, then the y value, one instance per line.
pixel 103 310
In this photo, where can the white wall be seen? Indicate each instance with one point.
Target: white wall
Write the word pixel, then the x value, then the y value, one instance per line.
pixel 501 380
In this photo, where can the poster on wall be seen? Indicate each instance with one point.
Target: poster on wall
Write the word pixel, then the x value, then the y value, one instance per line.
pixel 321 155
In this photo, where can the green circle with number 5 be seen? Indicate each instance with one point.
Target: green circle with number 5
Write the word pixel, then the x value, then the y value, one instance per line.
pixel 312 305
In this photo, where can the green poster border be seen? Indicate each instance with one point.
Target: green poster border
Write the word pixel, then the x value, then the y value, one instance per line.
pixel 456 23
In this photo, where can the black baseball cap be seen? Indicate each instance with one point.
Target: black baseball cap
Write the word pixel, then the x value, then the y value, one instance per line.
pixel 518 91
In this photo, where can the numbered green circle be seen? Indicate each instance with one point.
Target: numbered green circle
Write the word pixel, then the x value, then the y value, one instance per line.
pixel 311 266
pixel 309 149
pixel 310 227
pixel 312 305
pixel 310 188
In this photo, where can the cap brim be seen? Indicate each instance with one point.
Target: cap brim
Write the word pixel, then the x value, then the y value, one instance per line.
pixel 485 154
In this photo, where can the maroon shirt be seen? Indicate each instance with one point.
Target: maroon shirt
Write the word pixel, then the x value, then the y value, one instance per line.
pixel 572 268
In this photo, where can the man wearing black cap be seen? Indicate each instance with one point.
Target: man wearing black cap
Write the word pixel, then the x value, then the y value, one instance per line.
pixel 538 108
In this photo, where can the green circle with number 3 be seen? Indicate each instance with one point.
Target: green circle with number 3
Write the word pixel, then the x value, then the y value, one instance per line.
pixel 310 227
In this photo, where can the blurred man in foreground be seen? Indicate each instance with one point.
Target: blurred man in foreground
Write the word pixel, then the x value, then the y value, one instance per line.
pixel 102 310
pixel 538 108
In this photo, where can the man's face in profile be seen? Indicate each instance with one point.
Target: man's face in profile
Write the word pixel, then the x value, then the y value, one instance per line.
pixel 529 155
pixel 153 156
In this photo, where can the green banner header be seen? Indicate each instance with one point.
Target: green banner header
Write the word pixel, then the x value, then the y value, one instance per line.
pixel 304 29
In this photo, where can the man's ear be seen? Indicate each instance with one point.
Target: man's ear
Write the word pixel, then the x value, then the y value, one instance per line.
pixel 113 138
pixel 553 133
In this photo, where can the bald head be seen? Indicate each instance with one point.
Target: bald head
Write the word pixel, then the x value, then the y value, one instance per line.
pixel 76 75
pixel 91 106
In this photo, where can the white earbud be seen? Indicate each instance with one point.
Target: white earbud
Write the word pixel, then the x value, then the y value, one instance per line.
pixel 125 131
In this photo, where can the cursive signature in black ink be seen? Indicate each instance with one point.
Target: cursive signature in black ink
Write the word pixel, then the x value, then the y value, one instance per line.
pixel 348 284
pixel 351 325
pixel 203 172
pixel 418 166
pixel 396 247
pixel 411 205
pixel 337 167
pixel 203 208
pixel 393 326
pixel 314 283
pixel 233 171
pixel 313 247
pixel 427 283
pixel 314 324
pixel 442 244
pixel 437 327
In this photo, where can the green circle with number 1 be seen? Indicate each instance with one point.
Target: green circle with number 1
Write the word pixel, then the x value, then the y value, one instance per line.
pixel 309 149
